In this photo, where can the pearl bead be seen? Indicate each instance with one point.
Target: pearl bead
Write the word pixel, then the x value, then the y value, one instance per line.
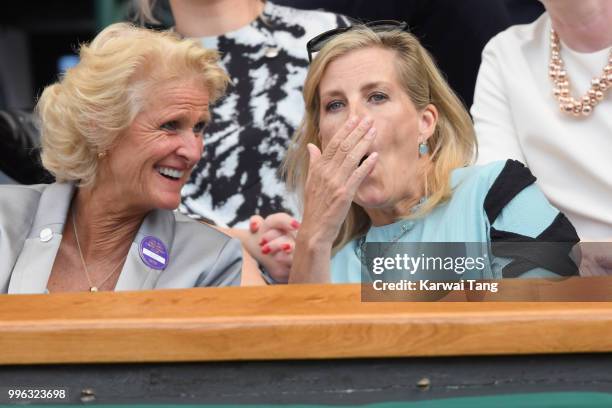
pixel 561 84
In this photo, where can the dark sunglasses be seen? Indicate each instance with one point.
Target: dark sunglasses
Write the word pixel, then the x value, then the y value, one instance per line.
pixel 316 43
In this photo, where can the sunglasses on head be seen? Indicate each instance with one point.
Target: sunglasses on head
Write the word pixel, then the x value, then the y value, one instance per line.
pixel 316 43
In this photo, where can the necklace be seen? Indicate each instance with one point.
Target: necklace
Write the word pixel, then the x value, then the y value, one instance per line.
pixel 404 228
pixel 561 83
pixel 92 287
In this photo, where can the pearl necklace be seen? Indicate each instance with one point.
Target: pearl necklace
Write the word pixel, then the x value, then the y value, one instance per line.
pixel 561 84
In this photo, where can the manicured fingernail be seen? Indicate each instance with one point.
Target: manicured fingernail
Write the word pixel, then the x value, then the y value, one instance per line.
pixel 253 226
pixel 295 224
pixel 286 247
pixel 263 242
pixel 265 250
pixel 371 133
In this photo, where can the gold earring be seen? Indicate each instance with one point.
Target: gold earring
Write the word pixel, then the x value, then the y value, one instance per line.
pixel 102 155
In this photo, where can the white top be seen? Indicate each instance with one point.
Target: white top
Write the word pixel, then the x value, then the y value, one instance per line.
pixel 516 116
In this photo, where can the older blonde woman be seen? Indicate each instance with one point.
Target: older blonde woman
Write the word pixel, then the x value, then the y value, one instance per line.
pixel 382 156
pixel 120 132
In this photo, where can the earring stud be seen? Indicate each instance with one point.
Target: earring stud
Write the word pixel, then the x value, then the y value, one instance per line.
pixel 423 149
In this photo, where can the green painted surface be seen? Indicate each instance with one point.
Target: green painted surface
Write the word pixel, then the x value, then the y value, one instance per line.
pixel 539 400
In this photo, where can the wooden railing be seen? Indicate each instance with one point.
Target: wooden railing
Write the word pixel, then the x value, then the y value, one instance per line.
pixel 287 322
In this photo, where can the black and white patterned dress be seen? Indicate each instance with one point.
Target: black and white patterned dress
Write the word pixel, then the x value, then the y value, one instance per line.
pixel 252 125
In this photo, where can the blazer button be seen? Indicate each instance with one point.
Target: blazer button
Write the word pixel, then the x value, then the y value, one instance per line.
pixel 46 234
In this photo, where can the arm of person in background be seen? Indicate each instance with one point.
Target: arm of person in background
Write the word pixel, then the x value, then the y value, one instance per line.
pixel 594 257
pixel 491 111
pixel 19 151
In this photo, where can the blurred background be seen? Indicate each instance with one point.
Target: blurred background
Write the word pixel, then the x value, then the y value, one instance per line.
pixel 39 40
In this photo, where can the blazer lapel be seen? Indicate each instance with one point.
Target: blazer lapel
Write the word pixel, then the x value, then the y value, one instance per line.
pixel 136 274
pixel 34 264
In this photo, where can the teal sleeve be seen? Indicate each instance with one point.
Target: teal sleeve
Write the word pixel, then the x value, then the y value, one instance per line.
pixel 529 213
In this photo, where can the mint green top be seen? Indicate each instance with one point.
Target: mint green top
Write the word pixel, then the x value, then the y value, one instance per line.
pixel 461 219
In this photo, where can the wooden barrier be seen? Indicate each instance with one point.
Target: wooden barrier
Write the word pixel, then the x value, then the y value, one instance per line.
pixel 285 322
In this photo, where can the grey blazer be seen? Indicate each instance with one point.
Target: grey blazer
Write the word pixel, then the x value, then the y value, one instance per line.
pixel 32 221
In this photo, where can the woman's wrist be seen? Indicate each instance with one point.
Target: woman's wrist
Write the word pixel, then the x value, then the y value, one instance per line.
pixel 311 259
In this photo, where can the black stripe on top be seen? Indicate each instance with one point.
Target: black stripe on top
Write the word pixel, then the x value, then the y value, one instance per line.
pixel 549 250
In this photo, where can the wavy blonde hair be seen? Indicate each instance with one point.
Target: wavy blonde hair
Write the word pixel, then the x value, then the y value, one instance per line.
pixel 452 145
pixel 84 113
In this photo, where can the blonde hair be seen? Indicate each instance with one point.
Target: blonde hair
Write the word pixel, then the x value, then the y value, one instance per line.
pixel 452 145
pixel 84 113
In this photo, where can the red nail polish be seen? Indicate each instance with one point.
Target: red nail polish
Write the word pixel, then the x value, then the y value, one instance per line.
pixel 263 242
pixel 265 250
pixel 253 226
pixel 286 247
pixel 295 224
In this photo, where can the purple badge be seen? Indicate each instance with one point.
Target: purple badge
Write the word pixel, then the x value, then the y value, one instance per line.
pixel 153 253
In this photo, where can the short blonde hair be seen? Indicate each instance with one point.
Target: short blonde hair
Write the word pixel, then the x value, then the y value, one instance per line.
pixel 84 113
pixel 452 145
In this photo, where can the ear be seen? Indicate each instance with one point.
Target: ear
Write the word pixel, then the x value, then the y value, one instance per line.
pixel 428 119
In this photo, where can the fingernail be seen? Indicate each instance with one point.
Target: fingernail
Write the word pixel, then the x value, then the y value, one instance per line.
pixel 263 242
pixel 367 120
pixel 286 247
pixel 371 133
pixel 353 120
pixel 295 224
pixel 265 249
pixel 253 226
